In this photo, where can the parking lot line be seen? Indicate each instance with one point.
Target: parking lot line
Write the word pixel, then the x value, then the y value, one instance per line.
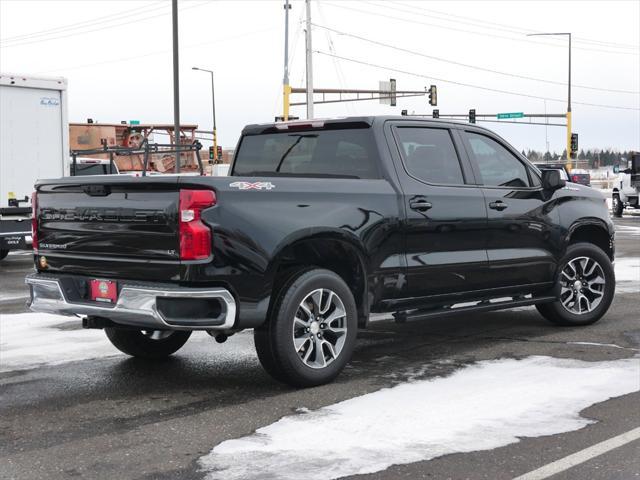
pixel 582 456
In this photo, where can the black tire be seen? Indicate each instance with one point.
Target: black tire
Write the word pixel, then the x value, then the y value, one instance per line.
pixel 141 345
pixel 274 340
pixel 616 206
pixel 3 254
pixel 557 313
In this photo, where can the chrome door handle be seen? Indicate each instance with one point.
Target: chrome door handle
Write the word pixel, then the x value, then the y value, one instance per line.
pixel 499 205
pixel 420 205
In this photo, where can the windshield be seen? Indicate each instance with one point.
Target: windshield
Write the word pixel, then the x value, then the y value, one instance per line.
pixel 348 153
pixel 91 169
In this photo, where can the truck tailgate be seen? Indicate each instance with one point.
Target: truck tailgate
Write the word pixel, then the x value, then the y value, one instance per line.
pixel 113 227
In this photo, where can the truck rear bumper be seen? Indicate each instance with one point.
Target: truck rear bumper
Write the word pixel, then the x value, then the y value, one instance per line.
pixel 144 306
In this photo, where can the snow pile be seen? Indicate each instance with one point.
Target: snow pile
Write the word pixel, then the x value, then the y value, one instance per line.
pixel 480 407
pixel 628 230
pixel 628 275
pixel 31 339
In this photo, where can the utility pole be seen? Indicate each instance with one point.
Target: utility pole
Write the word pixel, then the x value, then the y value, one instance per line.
pixel 213 108
pixel 546 130
pixel 568 93
pixel 176 84
pixel 569 152
pixel 309 63
pixel 286 88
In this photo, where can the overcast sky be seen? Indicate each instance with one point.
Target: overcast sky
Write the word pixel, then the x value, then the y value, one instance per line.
pixel 117 57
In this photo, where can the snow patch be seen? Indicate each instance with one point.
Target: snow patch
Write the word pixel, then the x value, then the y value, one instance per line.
pixel 607 345
pixel 628 274
pixel 9 298
pixel 483 406
pixel 628 230
pixel 28 340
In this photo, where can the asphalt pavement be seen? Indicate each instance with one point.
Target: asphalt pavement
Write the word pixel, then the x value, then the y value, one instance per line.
pixel 121 418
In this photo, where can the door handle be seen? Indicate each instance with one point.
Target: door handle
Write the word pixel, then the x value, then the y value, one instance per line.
pixel 420 205
pixel 498 205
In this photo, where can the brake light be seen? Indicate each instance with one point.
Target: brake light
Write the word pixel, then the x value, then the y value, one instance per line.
pixel 302 125
pixel 574 179
pixel 195 236
pixel 34 221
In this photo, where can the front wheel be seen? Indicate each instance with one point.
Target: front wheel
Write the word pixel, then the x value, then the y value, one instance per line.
pixel 3 254
pixel 587 285
pixel 149 344
pixel 311 331
pixel 616 206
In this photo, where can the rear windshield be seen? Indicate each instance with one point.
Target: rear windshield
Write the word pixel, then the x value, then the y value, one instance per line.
pixel 348 153
pixel 90 169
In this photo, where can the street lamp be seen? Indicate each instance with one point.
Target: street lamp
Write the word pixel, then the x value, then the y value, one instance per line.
pixel 213 103
pixel 569 92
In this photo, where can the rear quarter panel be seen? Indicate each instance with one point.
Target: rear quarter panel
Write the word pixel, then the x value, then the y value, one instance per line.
pixel 252 227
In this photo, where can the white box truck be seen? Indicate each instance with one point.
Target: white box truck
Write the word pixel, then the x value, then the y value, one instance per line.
pixel 34 143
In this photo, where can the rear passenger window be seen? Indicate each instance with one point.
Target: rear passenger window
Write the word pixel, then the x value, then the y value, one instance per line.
pixel 498 166
pixel 429 155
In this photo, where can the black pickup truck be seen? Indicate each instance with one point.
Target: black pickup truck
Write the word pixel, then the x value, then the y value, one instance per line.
pixel 320 224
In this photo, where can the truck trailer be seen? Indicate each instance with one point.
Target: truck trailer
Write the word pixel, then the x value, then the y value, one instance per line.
pixel 34 143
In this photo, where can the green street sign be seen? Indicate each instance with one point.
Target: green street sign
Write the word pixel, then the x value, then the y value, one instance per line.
pixel 510 115
pixel 134 122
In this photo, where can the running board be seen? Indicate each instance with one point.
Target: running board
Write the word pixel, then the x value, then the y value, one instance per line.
pixel 478 306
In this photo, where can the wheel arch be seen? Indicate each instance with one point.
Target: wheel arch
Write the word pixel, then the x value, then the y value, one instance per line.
pixel 592 231
pixel 329 249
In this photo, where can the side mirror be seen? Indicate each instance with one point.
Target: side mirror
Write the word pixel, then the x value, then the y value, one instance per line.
pixel 616 169
pixel 551 180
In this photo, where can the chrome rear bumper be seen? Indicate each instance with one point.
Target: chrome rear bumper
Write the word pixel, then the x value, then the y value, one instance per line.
pixel 137 305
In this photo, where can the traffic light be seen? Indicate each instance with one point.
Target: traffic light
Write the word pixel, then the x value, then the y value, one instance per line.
pixel 219 157
pixel 436 113
pixel 574 142
pixel 433 96
pixel 472 115
pixel 211 153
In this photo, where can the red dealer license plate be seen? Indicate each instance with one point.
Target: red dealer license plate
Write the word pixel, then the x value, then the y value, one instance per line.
pixel 104 291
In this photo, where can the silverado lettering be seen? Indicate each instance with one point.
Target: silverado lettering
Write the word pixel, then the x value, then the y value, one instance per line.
pixel 79 214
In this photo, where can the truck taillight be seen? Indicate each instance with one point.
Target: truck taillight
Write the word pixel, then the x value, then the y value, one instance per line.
pixel 574 179
pixel 195 236
pixel 34 221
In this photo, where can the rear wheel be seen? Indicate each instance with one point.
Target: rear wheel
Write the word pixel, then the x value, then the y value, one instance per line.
pixel 616 206
pixel 151 344
pixel 587 285
pixel 3 254
pixel 311 332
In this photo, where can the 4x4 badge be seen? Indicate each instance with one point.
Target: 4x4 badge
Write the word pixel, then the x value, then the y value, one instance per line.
pixel 252 185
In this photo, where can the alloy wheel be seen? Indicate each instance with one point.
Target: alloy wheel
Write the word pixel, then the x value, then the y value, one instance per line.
pixel 157 334
pixel 320 328
pixel 582 285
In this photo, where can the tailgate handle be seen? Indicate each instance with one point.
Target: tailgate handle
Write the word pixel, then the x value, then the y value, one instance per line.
pixel 96 190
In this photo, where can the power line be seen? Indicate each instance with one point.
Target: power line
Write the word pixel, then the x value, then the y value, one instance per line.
pixel 100 28
pixel 502 37
pixel 470 85
pixel 509 28
pixel 73 26
pixel 157 52
pixel 466 65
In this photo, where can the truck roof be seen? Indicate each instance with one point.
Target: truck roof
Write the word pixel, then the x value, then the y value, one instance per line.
pixel 33 81
pixel 362 121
